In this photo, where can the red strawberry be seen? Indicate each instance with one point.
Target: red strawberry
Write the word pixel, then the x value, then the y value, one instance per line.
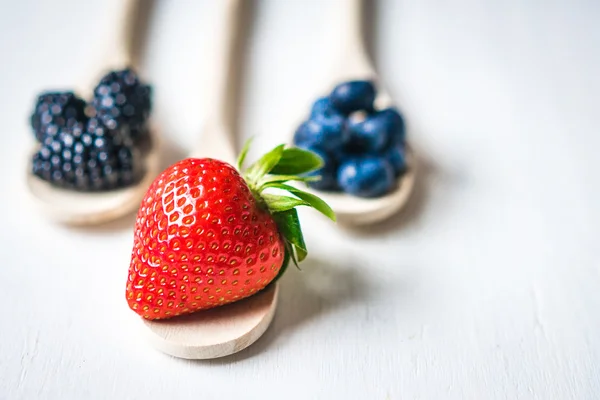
pixel 206 236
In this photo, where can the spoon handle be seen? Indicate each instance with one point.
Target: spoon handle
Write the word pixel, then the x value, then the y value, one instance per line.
pixel 353 59
pixel 119 44
pixel 350 19
pixel 217 139
pixel 126 27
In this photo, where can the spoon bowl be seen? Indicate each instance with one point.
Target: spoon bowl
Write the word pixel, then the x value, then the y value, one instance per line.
pixel 353 63
pixel 227 329
pixel 353 210
pixel 90 208
pixel 217 332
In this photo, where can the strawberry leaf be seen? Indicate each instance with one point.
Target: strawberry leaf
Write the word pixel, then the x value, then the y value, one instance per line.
pixel 295 161
pixel 265 164
pixel 278 203
pixel 287 178
pixel 273 170
pixel 310 199
pixel 287 257
pixel 293 255
pixel 300 254
pixel 243 154
pixel 289 227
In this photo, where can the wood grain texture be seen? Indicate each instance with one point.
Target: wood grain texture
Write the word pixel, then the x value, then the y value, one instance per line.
pixel 484 287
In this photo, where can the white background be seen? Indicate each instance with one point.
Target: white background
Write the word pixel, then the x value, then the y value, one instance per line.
pixel 487 287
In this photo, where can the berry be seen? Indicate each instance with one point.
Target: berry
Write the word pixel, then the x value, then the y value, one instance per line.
pixel 396 157
pixel 327 173
pixel 122 99
pixel 86 161
pixel 203 238
pixel 322 132
pixel 347 151
pixel 394 125
pixel 371 134
pixel 206 236
pixel 351 96
pixel 117 137
pixel 142 139
pixel 54 111
pixel 366 176
pixel 322 107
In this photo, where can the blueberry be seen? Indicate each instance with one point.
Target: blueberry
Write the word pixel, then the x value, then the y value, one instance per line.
pixel 322 107
pixel 322 132
pixel 394 123
pixel 377 130
pixel 347 151
pixel 340 154
pixel 328 172
pixel 352 96
pixel 370 135
pixel 366 176
pixel 395 155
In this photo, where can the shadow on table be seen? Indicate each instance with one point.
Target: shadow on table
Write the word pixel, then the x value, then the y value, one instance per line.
pixel 318 290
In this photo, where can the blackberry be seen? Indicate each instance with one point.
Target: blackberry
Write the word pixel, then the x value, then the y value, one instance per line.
pixel 121 99
pixel 87 161
pixel 119 137
pixel 54 111
pixel 142 139
pixel 138 136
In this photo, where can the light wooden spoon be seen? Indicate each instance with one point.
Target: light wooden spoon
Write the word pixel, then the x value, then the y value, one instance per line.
pixel 87 208
pixel 353 63
pixel 226 329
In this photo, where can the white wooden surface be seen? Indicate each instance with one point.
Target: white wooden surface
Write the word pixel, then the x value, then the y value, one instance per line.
pixel 488 287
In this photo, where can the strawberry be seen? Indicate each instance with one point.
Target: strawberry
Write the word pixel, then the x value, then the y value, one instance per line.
pixel 205 235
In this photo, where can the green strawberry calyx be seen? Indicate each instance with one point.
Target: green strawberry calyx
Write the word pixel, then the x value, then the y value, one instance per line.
pixel 267 179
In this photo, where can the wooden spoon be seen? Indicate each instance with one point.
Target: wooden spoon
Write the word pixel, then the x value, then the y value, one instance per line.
pixel 353 63
pixel 87 208
pixel 226 329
